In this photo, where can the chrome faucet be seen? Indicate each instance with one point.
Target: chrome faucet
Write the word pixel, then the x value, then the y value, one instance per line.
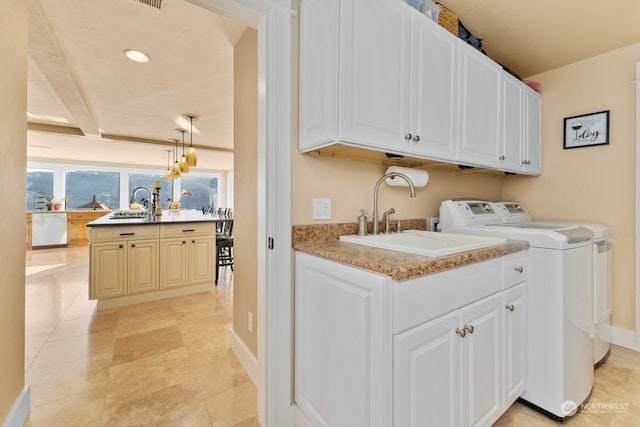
pixel 375 197
pixel 151 209
pixel 385 218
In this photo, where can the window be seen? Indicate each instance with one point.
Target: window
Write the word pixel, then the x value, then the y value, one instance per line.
pixel 204 192
pixel 81 186
pixel 38 182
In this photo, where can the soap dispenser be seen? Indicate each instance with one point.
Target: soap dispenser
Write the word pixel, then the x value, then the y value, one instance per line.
pixel 362 222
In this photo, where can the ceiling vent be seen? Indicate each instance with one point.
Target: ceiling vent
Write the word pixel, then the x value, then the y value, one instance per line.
pixel 156 4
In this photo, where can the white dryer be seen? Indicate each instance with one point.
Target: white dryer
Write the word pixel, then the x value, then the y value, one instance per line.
pixel 514 212
pixel 559 320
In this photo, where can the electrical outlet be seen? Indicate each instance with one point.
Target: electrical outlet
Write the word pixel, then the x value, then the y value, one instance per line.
pixel 433 223
pixel 250 321
pixel 321 208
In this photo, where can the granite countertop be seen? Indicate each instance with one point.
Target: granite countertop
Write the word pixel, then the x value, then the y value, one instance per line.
pixel 185 216
pixel 323 240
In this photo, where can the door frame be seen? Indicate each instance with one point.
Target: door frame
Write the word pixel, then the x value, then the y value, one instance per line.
pixel 273 21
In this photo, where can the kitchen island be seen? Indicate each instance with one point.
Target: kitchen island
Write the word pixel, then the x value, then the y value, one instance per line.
pixel 134 260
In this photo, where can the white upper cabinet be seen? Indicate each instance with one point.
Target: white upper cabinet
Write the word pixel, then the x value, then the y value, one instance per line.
pixel 433 90
pixel 374 73
pixel 378 74
pixel 479 108
pixel 512 132
pixel 532 144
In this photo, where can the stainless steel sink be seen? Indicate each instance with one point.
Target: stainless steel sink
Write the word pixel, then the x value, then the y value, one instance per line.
pixel 426 243
pixel 128 214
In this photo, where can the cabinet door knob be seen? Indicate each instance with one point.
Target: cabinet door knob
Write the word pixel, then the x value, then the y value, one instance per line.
pixel 416 138
pixel 501 158
pixel 408 137
pixel 120 246
pixel 462 332
pixel 519 269
pixel 193 241
pixel 184 242
pixel 133 246
pixel 510 307
pixel 469 328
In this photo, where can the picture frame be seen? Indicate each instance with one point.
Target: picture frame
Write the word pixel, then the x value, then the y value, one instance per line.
pixel 586 130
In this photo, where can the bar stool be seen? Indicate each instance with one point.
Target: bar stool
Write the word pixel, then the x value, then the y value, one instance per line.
pixel 224 247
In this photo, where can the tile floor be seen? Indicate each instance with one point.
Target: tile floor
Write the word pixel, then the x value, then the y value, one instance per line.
pixel 164 363
pixel 168 363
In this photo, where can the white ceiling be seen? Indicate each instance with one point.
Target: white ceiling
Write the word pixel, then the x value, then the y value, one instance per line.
pixel 120 111
pixel 78 72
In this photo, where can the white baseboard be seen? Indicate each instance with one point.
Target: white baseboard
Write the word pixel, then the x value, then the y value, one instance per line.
pixel 20 411
pixel 624 338
pixel 244 355
pixel 300 419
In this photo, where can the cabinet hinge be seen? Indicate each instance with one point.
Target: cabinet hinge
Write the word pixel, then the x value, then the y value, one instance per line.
pixel 270 243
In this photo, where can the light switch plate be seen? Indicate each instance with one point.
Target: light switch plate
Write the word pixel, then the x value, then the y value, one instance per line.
pixel 321 208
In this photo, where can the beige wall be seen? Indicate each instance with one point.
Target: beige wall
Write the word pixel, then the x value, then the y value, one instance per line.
pixel 595 183
pixel 245 294
pixel 13 142
pixel 350 183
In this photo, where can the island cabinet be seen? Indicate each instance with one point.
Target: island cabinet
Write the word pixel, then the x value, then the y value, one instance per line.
pixel 124 260
pixel 442 349
pixel 187 254
pixel 379 75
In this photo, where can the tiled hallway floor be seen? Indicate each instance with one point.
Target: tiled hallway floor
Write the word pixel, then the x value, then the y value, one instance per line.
pixel 164 363
pixel 169 363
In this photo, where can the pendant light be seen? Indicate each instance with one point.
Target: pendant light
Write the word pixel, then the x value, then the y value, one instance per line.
pixel 184 166
pixel 175 171
pixel 167 175
pixel 192 158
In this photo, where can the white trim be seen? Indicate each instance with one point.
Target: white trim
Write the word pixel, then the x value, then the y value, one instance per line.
pixel 624 338
pixel 637 206
pixel 273 20
pixel 245 357
pixel 300 418
pixel 20 411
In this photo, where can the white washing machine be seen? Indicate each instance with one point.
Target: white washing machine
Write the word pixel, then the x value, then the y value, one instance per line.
pixel 560 347
pixel 514 212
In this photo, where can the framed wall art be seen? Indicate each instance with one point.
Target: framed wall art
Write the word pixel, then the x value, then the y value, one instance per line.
pixel 586 130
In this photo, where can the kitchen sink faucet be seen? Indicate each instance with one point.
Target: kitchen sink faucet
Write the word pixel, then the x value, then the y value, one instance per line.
pixel 151 209
pixel 375 197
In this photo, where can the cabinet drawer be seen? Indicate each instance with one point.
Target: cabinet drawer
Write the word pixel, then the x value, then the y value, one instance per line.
pixel 514 269
pixel 109 234
pixel 419 300
pixel 188 229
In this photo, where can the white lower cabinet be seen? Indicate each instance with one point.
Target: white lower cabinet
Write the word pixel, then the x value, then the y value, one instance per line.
pixel 443 349
pixel 448 371
pixel 515 342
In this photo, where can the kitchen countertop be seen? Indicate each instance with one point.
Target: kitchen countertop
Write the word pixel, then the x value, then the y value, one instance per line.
pixel 44 211
pixel 185 216
pixel 322 240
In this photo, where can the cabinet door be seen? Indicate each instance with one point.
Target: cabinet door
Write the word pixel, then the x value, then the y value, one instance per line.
pixel 482 362
pixel 426 374
pixel 174 263
pixel 374 75
pixel 142 260
pixel 201 259
pixel 319 20
pixel 479 107
pixel 433 89
pixel 512 135
pixel 515 343
pixel 108 270
pixel 532 151
pixel 342 344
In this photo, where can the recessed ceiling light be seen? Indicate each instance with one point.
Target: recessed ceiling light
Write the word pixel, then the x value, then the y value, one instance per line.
pixel 136 55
